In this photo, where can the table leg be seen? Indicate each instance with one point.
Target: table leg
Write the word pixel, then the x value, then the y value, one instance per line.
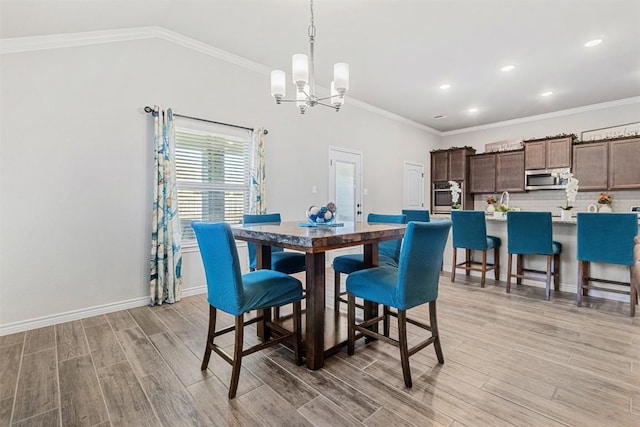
pixel 370 259
pixel 315 303
pixel 263 261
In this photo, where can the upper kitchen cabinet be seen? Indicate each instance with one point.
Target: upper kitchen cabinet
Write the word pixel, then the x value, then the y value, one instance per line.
pixel 548 153
pixel 450 165
pixel 624 171
pixel 510 171
pixel 482 173
pixel 590 165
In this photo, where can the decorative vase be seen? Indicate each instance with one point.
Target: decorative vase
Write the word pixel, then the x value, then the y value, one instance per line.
pixel 565 215
pixel 490 208
pixel 605 208
pixel 498 215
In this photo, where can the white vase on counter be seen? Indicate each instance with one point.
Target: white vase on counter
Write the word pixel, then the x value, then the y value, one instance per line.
pixel 605 208
pixel 565 215
pixel 498 215
pixel 490 208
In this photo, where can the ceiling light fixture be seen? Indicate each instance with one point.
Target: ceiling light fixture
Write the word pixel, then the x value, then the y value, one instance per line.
pixel 507 68
pixel 304 79
pixel 592 43
pixel 549 93
pixel 445 86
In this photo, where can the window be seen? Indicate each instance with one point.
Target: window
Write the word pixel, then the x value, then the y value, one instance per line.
pixel 212 173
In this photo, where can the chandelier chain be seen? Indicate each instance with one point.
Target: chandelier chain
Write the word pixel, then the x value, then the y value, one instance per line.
pixel 312 27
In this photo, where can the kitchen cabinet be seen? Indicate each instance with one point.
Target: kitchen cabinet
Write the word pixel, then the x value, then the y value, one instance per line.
pixel 590 165
pixel 548 153
pixel 510 171
pixel 624 171
pixel 482 173
pixel 607 165
pixel 450 165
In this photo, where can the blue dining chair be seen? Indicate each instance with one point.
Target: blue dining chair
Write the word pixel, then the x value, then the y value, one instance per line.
pixel 607 238
pixel 281 260
pixel 531 233
pixel 237 294
pixel 420 215
pixel 388 253
pixel 469 231
pixel 414 282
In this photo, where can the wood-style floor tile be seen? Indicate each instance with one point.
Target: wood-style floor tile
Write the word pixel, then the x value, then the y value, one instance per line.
pixel 37 390
pixel 81 399
pixel 70 340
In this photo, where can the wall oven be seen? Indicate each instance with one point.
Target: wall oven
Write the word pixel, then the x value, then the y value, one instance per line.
pixel 441 197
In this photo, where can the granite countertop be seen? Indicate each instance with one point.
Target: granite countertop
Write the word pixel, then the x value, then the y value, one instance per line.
pixel 554 219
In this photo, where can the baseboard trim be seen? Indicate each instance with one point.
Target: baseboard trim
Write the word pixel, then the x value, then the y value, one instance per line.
pixel 54 319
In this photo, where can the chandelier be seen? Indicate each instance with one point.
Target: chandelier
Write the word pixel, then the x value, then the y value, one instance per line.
pixel 304 79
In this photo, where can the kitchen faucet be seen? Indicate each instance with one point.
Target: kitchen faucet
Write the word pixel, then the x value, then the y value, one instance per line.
pixel 502 196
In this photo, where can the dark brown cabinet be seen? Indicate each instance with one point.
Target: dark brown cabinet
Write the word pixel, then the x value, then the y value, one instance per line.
pixel 510 171
pixel 548 153
pixel 607 165
pixel 439 166
pixel 482 173
pixel 624 170
pixel 450 165
pixel 590 165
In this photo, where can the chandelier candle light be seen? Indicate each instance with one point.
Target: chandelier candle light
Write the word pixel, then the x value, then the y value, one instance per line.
pixel 304 79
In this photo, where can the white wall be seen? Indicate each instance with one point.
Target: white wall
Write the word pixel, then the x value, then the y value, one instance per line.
pixel 76 156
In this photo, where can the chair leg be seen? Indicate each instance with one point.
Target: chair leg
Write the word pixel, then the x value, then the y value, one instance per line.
pixel 484 269
pixel 297 332
pixel 519 268
pixel 351 324
pixel 496 263
pixel 581 267
pixel 276 312
pixel 336 290
pixel 210 337
pixel 237 356
pixel 509 259
pixel 433 320
pixel 467 260
pixel 385 320
pixel 556 272
pixel 633 291
pixel 453 265
pixel 587 273
pixel 547 290
pixel 404 349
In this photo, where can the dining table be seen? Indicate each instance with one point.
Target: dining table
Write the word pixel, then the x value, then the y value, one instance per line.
pixel 315 242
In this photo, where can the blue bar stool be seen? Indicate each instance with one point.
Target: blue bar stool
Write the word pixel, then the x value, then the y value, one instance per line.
pixel 414 282
pixel 531 233
pixel 388 253
pixel 470 233
pixel 607 238
pixel 235 293
pixel 420 215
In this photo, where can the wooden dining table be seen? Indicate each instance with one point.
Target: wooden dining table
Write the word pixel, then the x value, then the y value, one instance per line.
pixel 315 242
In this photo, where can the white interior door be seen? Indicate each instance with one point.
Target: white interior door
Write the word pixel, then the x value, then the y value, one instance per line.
pixel 345 183
pixel 413 185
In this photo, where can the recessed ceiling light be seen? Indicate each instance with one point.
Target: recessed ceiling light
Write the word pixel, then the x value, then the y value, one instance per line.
pixel 473 110
pixel 592 43
pixel 507 68
pixel 548 93
pixel 445 86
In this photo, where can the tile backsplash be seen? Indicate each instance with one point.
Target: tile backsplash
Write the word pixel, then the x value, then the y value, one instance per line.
pixel 551 200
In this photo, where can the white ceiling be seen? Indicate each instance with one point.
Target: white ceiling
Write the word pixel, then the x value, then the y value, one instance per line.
pixel 400 51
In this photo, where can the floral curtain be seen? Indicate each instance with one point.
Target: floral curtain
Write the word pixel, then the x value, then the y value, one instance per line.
pixel 257 201
pixel 166 257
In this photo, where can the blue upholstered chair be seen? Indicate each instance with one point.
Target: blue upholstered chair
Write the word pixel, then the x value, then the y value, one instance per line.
pixel 420 215
pixel 414 282
pixel 470 233
pixel 284 262
pixel 388 253
pixel 237 294
pixel 531 233
pixel 607 238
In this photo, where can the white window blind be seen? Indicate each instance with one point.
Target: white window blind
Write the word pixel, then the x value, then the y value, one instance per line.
pixel 212 173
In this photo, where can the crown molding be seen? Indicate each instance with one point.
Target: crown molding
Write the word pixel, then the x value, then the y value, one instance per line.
pixel 555 114
pixel 59 41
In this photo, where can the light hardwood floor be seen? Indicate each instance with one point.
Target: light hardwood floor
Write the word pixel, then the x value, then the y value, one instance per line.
pixel 509 360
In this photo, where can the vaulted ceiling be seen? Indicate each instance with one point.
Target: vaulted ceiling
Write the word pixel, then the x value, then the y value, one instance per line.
pixel 400 51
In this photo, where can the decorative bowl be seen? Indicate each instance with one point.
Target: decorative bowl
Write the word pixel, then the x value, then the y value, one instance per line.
pixel 322 214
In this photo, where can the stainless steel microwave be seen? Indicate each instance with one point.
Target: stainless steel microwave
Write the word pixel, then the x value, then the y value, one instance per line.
pixel 545 179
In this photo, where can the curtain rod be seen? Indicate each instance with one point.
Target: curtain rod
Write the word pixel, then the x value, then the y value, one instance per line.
pixel 148 109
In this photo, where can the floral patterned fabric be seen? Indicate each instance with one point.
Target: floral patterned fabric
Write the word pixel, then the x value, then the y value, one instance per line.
pixel 165 284
pixel 257 201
